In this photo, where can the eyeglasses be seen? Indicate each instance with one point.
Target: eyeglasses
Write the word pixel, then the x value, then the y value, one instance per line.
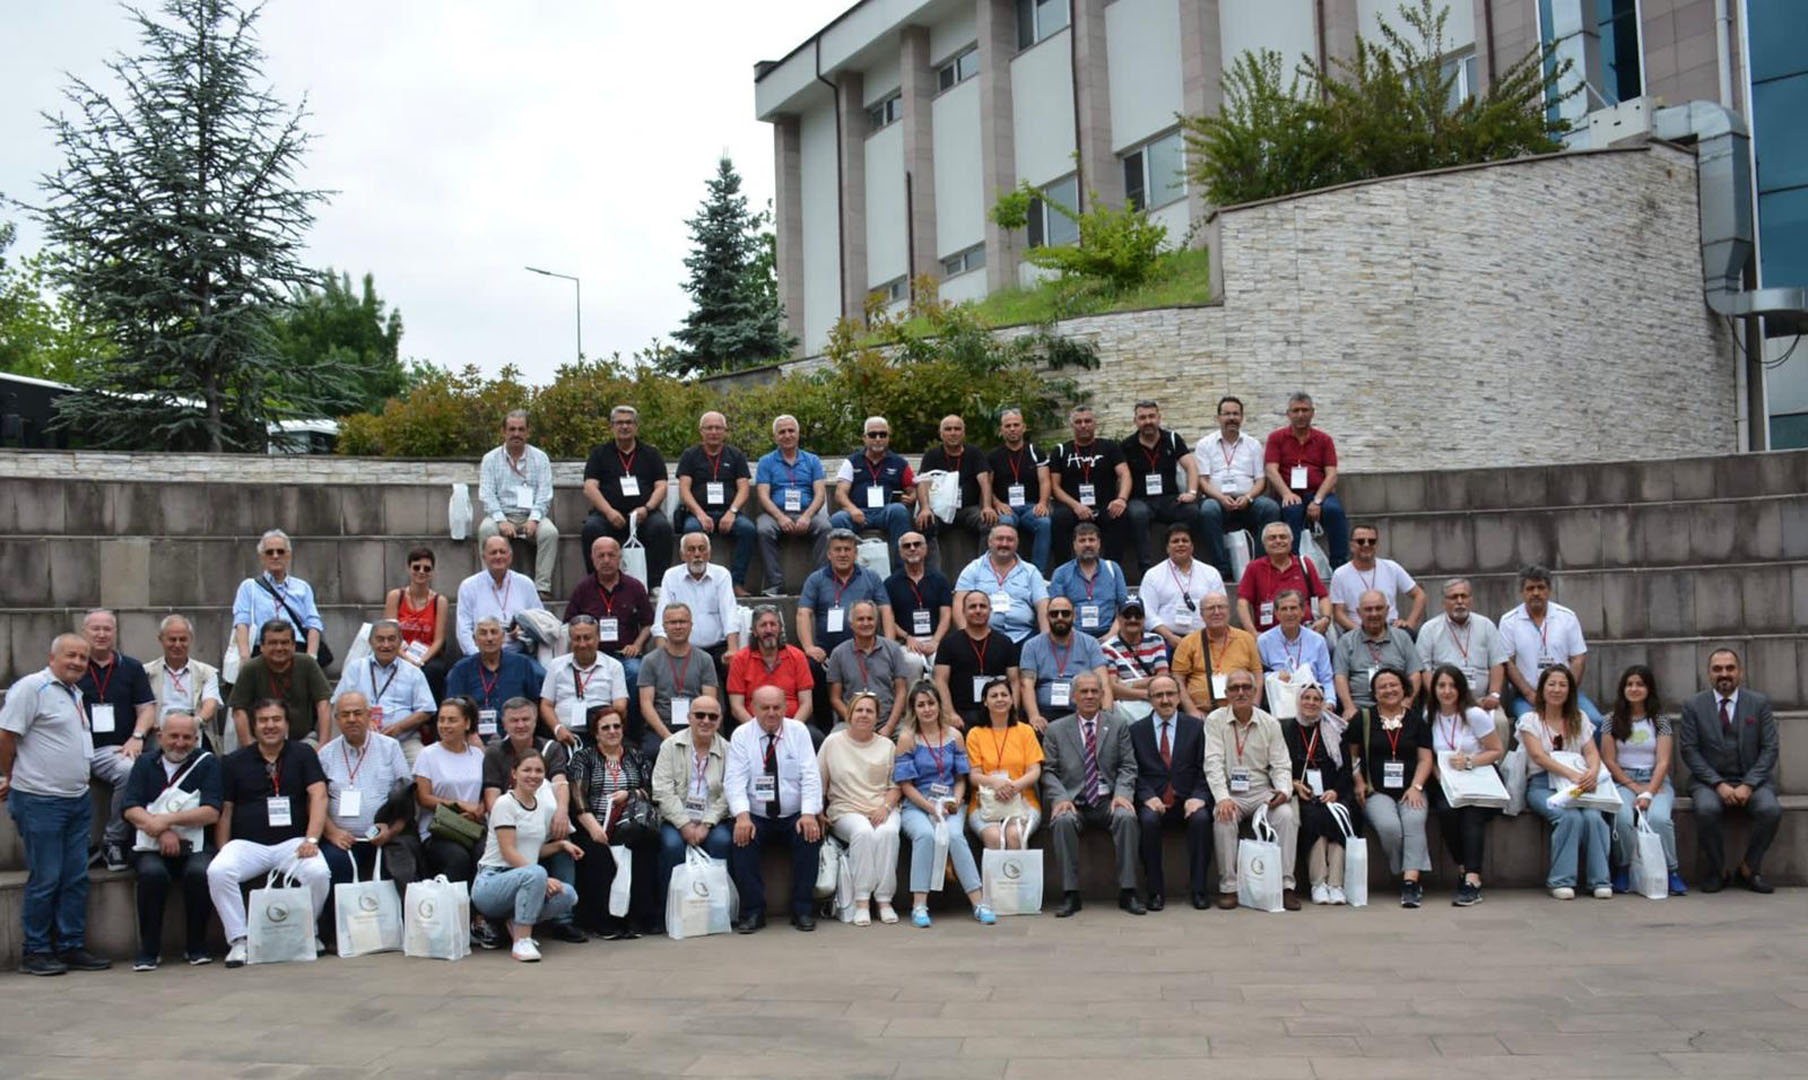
pixel 1240 688
pixel 911 544
pixel 608 727
pixel 276 551
pixel 706 716
pixel 422 568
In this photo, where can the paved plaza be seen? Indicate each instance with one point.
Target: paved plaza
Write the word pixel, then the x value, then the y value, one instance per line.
pixel 1521 986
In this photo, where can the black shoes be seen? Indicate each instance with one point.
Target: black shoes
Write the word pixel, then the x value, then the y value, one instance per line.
pixel 1201 901
pixel 804 921
pixel 1128 902
pixel 83 960
pixel 1070 904
pixel 1157 901
pixel 748 924
pixel 564 931
pixel 1756 883
pixel 42 963
pixel 1412 894
pixel 1713 883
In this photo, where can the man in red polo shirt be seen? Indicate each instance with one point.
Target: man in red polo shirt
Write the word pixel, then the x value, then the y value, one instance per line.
pixel 1266 578
pixel 768 661
pixel 1301 462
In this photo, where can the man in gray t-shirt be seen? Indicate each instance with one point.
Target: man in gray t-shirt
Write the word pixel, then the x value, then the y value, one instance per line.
pixel 673 671
pixel 868 662
pixel 1373 645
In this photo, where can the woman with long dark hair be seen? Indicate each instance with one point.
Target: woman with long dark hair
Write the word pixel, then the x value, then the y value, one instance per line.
pixel 1637 756
pixel 1557 725
pixel 1460 729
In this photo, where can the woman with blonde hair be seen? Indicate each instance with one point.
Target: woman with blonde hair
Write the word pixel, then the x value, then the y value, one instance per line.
pixel 931 773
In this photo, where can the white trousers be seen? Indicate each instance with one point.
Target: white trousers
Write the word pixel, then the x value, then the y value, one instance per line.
pixel 242 860
pixel 872 855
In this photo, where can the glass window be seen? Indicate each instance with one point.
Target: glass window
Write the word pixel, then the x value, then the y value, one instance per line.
pixel 1463 71
pixel 1037 19
pixel 973 258
pixel 1058 230
pixel 1155 173
pixel 958 70
pixel 885 113
pixel 1621 76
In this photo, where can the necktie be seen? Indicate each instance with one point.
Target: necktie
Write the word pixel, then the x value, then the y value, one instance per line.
pixel 1091 789
pixel 1167 758
pixel 1726 718
pixel 772 771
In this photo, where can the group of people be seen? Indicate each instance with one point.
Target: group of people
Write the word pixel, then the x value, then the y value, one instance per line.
pixel 997 699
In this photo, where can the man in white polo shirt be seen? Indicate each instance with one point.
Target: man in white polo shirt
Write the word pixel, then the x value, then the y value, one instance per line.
pixel 494 590
pixel 583 679
pixel 1365 571
pixel 1233 480
pixel 1538 634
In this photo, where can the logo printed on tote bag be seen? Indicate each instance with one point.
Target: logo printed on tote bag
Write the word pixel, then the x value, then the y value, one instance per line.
pixel 424 909
pixel 276 913
pixel 367 903
pixel 1012 869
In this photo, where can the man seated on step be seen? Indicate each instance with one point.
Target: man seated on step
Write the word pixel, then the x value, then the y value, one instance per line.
pixel 1275 569
pixel 173 801
pixel 1095 585
pixel 1367 570
pixel 515 487
pixel 122 718
pixel 362 767
pixel 922 606
pixel 671 677
pixel 280 672
pixel 1235 486
pixel 793 497
pixel 868 662
pixel 1088 781
pixel 1153 455
pixel 273 817
pixel 1293 645
pixel 1373 645
pixel 875 488
pixel 183 684
pixel 1136 656
pixel 774 791
pixel 494 590
pixel 708 590
pixel 715 494
pixel 1206 658
pixel 1542 633
pixel 1247 766
pixel 828 597
pixel 769 661
pixel 1049 665
pixel 395 692
pixel 1174 588
pixel 1467 641
pixel 974 507
pixel 1729 742
pixel 493 675
pixel 581 681
pixel 1015 589
pixel 619 603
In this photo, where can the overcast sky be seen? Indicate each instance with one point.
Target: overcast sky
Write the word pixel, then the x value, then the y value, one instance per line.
pixel 466 140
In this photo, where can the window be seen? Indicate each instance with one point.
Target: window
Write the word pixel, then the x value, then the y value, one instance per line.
pixel 1051 228
pixel 958 70
pixel 1617 22
pixel 892 292
pixel 886 112
pixel 1610 40
pixel 1463 69
pixel 1155 173
pixel 1037 19
pixel 960 262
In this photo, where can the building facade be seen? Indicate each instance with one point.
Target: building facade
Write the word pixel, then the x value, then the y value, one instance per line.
pixel 896 126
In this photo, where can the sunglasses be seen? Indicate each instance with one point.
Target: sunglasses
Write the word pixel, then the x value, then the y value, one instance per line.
pixel 706 716
pixel 911 544
pixel 1364 543
pixel 878 434
pixel 1240 688
pixel 276 551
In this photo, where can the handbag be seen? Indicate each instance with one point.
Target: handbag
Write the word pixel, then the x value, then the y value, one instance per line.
pixel 1470 787
pixel 638 822
pixel 436 921
pixel 1650 867
pixel 1259 866
pixel 367 914
pixel 1011 878
pixel 280 921
pixel 1355 858
pixel 1514 774
pixel 174 800
pixel 325 655
pixel 1605 796
pixel 449 824
pixel 992 811
pixel 634 554
pixel 701 900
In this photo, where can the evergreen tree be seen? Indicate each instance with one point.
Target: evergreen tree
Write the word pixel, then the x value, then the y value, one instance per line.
pixel 176 222
pixel 735 319
pixel 352 328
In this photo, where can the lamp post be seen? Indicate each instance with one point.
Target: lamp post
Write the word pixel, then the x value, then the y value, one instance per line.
pixel 580 302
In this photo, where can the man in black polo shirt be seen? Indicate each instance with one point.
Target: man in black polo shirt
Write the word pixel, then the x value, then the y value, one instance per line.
pixel 714 487
pixel 1020 485
pixel 173 798
pixel 1152 454
pixel 922 603
pixel 273 815
pixel 1090 483
pixel 122 714
pixel 972 656
pixel 974 509
pixel 626 479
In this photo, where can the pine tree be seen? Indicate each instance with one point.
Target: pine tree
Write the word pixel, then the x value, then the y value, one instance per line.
pixel 176 221
pixel 735 319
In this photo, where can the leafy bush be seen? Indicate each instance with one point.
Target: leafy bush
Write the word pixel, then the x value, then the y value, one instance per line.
pixel 1118 246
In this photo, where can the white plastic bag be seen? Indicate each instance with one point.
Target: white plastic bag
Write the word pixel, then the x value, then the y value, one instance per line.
pixel 1011 878
pixel 458 511
pixel 367 914
pixel 280 921
pixel 875 556
pixel 358 651
pixel 944 493
pixel 1471 787
pixel 634 555
pixel 1237 541
pixel 938 870
pixel 844 881
pixel 701 900
pixel 1650 869
pixel 1355 858
pixel 1311 549
pixel 1513 776
pixel 1259 866
pixel 621 889
pixel 828 869
pixel 436 921
pixel 1283 694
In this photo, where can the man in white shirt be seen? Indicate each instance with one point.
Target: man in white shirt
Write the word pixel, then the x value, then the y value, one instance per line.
pixel 1365 571
pixel 775 794
pixel 582 680
pixel 515 487
pixel 708 590
pixel 395 692
pixel 1172 589
pixel 1233 480
pixel 362 766
pixel 1468 641
pixel 182 684
pixel 494 590
pixel 1538 634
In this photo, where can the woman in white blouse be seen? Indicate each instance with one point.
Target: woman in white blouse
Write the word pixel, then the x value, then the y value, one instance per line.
pixel 450 773
pixel 860 804
pixel 1637 756
pixel 1464 732
pixel 512 885
pixel 1558 727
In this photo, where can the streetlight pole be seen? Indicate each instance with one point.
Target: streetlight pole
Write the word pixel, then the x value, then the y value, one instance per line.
pixel 580 302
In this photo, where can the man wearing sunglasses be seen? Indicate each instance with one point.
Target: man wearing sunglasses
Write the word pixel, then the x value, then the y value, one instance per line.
pixel 875 488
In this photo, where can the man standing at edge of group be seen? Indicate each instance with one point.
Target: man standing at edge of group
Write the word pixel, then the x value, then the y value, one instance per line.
pixel 714 488
pixel 1302 467
pixel 626 479
pixel 515 487
pixel 1235 484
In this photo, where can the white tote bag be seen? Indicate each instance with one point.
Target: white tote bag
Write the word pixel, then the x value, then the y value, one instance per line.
pixel 1513 770
pixel 1355 858
pixel 358 651
pixel 1259 866
pixel 944 493
pixel 938 870
pixel 1237 541
pixel 436 922
pixel 701 900
pixel 1650 869
pixel 367 914
pixel 844 882
pixel 458 511
pixel 1605 796
pixel 1011 878
pixel 1283 694
pixel 280 921
pixel 828 868
pixel 174 800
pixel 1311 549
pixel 1470 787
pixel 621 890
pixel 875 556
pixel 634 555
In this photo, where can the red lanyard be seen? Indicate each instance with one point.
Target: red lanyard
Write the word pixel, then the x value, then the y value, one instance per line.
pixel 1311 747
pixel 1000 577
pixel 1154 455
pixel 175 678
pixel 1374 653
pixel 1393 740
pixel 1084 464
pixel 877 471
pixel 607 596
pixel 935 754
pixel 502 598
pixel 1455 728
pixel 1060 657
pixel 700 775
pixel 581 680
pixel 866 681
pixel 614 773
pixel 489 686
pixel 275 771
pixel 1462 644
pixel 283 692
pixel 1015 461
pixel 627 463
pixel 100 684
pixel 522 473
pixel 1218 654
pixel 914 591
pixel 684 668
pixel 1242 739
pixel 1293 660
pixel 352 770
pixel 840 585
pixel 1226 451
pixel 955 460
pixel 1091 582
pixel 715 464
pixel 997 740
pixel 979 650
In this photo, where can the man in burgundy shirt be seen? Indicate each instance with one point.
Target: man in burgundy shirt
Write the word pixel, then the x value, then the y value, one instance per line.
pixel 620 605
pixel 1266 578
pixel 1301 461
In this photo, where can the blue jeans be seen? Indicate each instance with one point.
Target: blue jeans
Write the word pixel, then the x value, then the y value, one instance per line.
pixel 1625 828
pixel 519 895
pixel 1571 827
pixel 671 852
pixel 921 830
pixel 894 519
pixel 1214 520
pixel 744 865
pixel 55 833
pixel 1337 527
pixel 1038 529
pixel 742 531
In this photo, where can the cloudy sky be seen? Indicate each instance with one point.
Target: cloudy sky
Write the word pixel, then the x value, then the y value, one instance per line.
pixel 466 140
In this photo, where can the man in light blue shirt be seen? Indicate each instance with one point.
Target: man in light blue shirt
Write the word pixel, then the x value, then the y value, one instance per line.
pixel 1291 645
pixel 1095 585
pixel 793 497
pixel 257 601
pixel 495 590
pixel 395 692
pixel 1051 662
pixel 1018 593
pixel 514 484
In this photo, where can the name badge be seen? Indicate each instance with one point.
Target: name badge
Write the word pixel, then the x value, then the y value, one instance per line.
pixel 919 623
pixel 1393 774
pixel 524 496
pixel 694 806
pixel 794 500
pixel 1218 685
pixel 1089 495
pixel 376 715
pixel 100 719
pixel 715 493
pixel 837 619
pixel 1001 602
pixel 1104 791
pixel 575 714
pixel 765 788
pixel 630 486
pixel 1297 479
pixel 416 651
pixel 278 812
pixel 1315 781
pixel 1267 612
pixel 486 721
pixel 941 791
pixel 1060 692
pixel 1239 781
pixel 1089 616
pixel 979 688
pixel 609 629
pixel 351 803
pixel 1371 675
pixel 875 498
pixel 1182 620
pixel 681 712
pixel 1014 495
pixel 1543 662
pixel 1152 484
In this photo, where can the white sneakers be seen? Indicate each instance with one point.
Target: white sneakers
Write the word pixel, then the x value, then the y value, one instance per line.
pixel 235 956
pixel 1337 896
pixel 1564 892
pixel 1320 894
pixel 1604 892
pixel 525 951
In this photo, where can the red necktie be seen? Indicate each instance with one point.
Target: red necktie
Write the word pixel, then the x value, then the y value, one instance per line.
pixel 1726 718
pixel 1167 758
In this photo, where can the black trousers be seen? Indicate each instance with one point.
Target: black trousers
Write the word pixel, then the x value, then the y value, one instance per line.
pixel 1198 844
pixel 156 873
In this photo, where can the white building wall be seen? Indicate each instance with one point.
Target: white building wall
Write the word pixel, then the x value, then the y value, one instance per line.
pixel 1283 25
pixel 1042 110
pixel 968 286
pixel 1174 216
pixel 952 35
pixel 1459 28
pixel 887 254
pixel 820 195
pixel 1144 62
pixel 881 78
pixel 960 211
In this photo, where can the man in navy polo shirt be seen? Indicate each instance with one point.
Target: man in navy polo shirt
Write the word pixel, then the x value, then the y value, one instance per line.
pixel 122 715
pixel 714 490
pixel 875 488
pixel 823 608
pixel 793 496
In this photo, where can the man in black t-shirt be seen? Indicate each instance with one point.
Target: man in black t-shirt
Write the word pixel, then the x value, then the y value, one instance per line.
pixel 122 715
pixel 921 599
pixel 974 509
pixel 1090 483
pixel 275 811
pixel 970 657
pixel 1020 486
pixel 714 487
pixel 626 479
pixel 1152 455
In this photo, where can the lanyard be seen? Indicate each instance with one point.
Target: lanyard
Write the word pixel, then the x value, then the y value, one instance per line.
pixel 613 774
pixel 607 597
pixel 955 460
pixel 1293 659
pixel 1183 584
pixel 715 463
pixel 1085 463
pixel 840 585
pixel 914 591
pixel 1218 654
pixel 1227 451
pixel 1015 461
pixel 790 470
pixel 1462 644
pixel 274 769
pixel 376 695
pixel 1455 729
pixel 502 598
pixel 489 685
pixel 1393 740
pixel 1544 635
pixel 684 668
pixel 521 472
pixel 1311 746
pixel 877 471
pixel 1060 657
pixel 175 678
pixel 282 693
pixel 582 680
pixel 700 774
pixel 1153 456
pixel 979 649
pixel 351 770
pixel 100 684
pixel 935 754
pixel 627 462
pixel 997 740
pixel 75 696
pixel 866 681
pixel 1091 582
pixel 1001 578
pixel 1374 652
pixel 1242 739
